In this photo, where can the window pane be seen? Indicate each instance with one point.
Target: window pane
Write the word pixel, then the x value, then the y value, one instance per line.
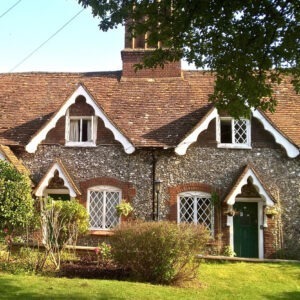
pixel 86 130
pixel 204 212
pixel 74 130
pixel 96 207
pixel 111 217
pixel 226 131
pixel 187 209
pixel 240 131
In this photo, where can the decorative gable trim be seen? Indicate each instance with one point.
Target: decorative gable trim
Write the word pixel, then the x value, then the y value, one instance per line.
pixel 31 147
pixel 193 136
pixel 63 174
pixel 249 172
pixel 291 150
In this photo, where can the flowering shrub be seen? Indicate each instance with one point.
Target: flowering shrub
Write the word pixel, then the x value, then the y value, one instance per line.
pixel 160 252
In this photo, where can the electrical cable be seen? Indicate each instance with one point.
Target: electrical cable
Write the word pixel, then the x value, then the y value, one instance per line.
pixel 42 44
pixel 8 10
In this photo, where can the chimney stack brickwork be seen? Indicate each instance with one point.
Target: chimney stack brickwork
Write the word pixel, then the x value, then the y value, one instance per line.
pixel 130 57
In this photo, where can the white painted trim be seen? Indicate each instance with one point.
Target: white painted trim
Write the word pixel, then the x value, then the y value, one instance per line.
pixel 50 174
pixel 291 150
pixel 260 225
pixel 31 147
pixel 260 189
pixel 56 191
pixel 182 147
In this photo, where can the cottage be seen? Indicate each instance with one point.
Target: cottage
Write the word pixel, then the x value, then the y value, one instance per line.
pixel 105 136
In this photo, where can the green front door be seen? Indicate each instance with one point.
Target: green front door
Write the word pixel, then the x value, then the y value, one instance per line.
pixel 245 229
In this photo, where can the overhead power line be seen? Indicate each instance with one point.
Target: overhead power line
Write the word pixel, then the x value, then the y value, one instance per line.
pixel 8 10
pixel 46 41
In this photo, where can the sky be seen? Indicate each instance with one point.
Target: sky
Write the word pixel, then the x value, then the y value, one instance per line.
pixel 78 47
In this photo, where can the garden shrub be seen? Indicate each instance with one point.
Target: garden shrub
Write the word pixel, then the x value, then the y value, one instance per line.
pixel 159 252
pixel 16 202
pixel 62 222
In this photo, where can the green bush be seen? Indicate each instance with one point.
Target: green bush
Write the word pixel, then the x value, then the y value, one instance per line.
pixel 16 202
pixel 159 252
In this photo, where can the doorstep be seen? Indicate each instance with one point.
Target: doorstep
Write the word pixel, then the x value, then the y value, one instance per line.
pixel 256 260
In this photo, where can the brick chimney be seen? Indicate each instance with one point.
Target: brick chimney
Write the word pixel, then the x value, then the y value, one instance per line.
pixel 135 49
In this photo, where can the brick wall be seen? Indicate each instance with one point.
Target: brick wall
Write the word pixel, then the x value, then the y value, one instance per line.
pixel 132 57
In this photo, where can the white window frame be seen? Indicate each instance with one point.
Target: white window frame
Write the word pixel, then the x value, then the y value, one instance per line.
pixel 196 194
pixel 91 143
pixel 233 145
pixel 105 189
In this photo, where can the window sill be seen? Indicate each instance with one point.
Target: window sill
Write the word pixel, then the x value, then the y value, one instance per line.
pixel 80 144
pixel 101 232
pixel 234 146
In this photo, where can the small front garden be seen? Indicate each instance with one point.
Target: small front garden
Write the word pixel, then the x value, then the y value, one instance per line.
pixel 215 281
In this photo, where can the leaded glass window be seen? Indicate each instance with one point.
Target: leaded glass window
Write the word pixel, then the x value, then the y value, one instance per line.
pixel 196 207
pixel 102 202
pixel 233 132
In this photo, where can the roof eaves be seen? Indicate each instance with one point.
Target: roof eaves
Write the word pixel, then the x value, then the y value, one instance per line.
pixel 64 174
pixel 14 160
pixel 291 148
pixel 192 136
pixel 250 172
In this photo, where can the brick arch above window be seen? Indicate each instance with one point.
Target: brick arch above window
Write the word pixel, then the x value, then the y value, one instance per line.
pixel 174 191
pixel 127 188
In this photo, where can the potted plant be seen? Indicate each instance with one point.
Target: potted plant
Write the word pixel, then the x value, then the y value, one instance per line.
pixel 124 208
pixel 271 211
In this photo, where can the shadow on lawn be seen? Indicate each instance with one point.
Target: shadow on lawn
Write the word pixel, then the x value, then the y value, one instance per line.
pixel 10 290
pixel 285 296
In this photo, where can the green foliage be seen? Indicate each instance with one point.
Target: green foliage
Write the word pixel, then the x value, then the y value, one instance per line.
pixel 25 260
pixel 124 208
pixel 62 222
pixel 103 252
pixel 228 251
pixel 249 44
pixel 160 252
pixel 16 203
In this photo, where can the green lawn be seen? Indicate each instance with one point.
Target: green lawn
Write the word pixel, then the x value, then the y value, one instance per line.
pixel 218 281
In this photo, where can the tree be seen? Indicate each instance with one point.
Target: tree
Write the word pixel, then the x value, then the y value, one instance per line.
pixel 249 45
pixel 16 203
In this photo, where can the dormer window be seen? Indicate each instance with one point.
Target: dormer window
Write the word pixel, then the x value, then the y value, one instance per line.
pixel 81 131
pixel 232 133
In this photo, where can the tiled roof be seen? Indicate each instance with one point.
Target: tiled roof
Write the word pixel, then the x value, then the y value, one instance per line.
pixel 9 155
pixel 151 112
